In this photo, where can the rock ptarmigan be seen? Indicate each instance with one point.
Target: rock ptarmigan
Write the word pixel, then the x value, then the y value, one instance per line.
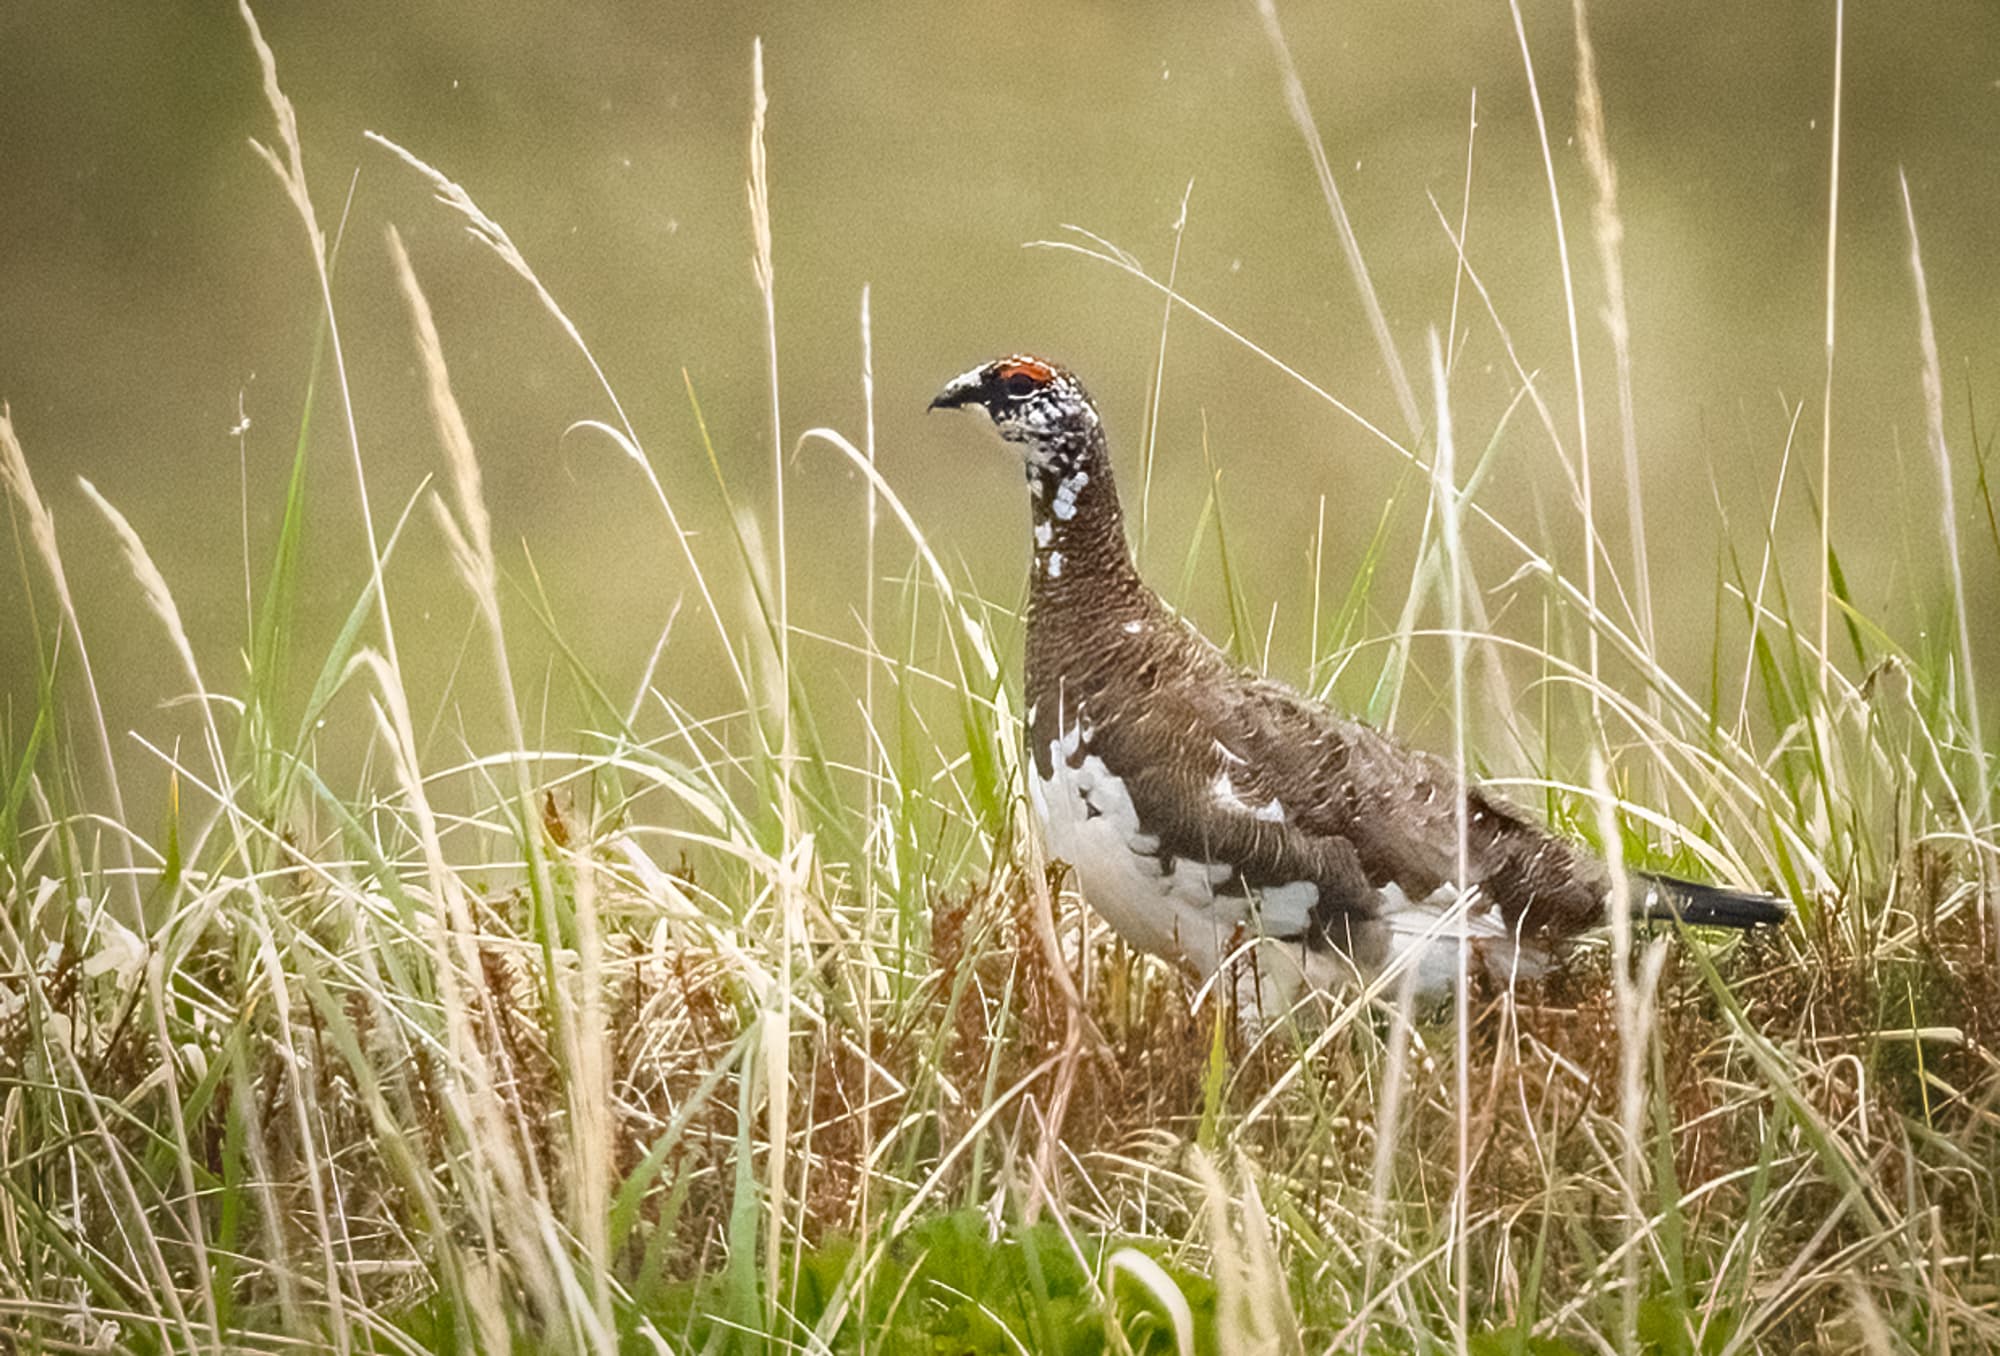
pixel 1209 812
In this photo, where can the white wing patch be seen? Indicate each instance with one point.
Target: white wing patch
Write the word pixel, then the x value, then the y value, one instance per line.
pixel 1426 932
pixel 1226 797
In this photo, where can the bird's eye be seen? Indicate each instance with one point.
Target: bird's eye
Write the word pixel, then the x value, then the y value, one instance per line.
pixel 1018 384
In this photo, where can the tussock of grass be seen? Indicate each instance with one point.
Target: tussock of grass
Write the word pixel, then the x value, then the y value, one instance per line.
pixel 765 1028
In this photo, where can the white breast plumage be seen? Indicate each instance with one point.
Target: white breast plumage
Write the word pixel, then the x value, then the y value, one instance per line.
pixel 1174 911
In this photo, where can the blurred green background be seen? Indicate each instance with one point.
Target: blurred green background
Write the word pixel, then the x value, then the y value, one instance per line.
pixel 155 287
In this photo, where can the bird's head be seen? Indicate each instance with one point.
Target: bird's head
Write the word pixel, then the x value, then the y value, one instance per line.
pixel 1031 402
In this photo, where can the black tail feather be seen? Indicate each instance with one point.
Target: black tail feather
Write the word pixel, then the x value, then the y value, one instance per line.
pixel 1709 906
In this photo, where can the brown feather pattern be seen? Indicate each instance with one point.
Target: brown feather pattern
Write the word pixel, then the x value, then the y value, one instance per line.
pixel 1224 766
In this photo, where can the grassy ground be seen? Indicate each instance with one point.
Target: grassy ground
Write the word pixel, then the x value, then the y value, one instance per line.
pixel 765 1027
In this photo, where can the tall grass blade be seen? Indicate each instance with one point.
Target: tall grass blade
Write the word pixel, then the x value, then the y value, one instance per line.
pixel 1933 382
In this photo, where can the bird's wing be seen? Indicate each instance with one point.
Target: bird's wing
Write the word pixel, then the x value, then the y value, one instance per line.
pixel 1251 774
pixel 1220 782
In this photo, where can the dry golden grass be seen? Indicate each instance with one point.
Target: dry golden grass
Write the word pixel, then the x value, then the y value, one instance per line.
pixel 767 1028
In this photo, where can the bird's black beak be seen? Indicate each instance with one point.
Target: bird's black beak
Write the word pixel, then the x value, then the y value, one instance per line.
pixel 962 390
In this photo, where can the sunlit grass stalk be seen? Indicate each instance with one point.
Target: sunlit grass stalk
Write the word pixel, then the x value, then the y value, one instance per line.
pixel 1825 487
pixel 1634 999
pixel 1444 489
pixel 575 1016
pixel 1300 109
pixel 289 167
pixel 776 1018
pixel 1257 1316
pixel 1608 228
pixel 1933 383
pixel 160 599
pixel 877 845
pixel 622 435
pixel 20 485
pixel 287 162
pixel 1388 1126
pixel 1586 504
pixel 1459 269
pixel 1150 442
pixel 506 1183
